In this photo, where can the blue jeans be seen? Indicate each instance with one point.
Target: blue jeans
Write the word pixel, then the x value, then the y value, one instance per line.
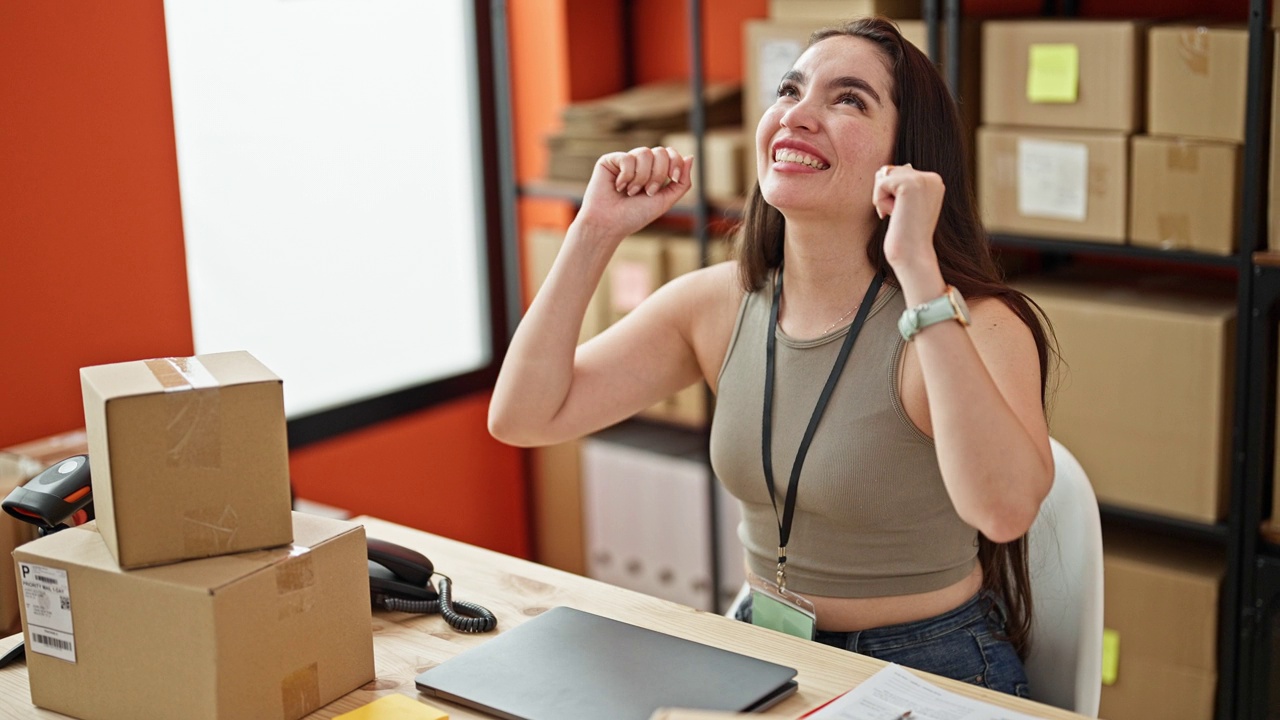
pixel 964 644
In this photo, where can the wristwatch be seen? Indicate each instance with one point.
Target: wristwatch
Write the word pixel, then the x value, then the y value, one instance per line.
pixel 950 306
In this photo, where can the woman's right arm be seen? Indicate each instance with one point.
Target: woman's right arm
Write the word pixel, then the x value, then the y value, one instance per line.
pixel 547 390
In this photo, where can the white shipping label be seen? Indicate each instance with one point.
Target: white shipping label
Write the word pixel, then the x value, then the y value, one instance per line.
pixel 47 597
pixel 1053 179
pixel 776 59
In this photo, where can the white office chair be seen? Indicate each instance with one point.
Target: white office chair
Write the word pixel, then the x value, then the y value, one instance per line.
pixel 1065 564
pixel 1065 559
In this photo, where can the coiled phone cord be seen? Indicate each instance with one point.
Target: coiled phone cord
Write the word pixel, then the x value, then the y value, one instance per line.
pixel 461 615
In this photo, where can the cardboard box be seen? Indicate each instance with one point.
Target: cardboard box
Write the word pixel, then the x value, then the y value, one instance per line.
pixel 1056 183
pixel 830 12
pixel 721 160
pixel 1185 194
pixel 267 634
pixel 190 457
pixel 771 47
pixel 18 464
pixel 1083 74
pixel 1167 651
pixel 1143 398
pixel 556 476
pixel 1197 81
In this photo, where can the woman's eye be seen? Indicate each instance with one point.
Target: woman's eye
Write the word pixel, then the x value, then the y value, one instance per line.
pixel 853 100
pixel 787 90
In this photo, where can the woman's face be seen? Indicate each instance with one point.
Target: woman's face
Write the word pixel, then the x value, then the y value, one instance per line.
pixel 833 125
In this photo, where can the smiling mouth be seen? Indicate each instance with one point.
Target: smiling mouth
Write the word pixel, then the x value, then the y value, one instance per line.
pixel 794 156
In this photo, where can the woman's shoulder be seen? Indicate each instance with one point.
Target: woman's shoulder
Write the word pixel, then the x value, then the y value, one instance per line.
pixel 717 284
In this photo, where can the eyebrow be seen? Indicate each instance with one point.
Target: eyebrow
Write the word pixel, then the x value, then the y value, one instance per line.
pixel 846 81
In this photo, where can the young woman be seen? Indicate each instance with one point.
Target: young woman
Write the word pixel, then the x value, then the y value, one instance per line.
pixel 880 391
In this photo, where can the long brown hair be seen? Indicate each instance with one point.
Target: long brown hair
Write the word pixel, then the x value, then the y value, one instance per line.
pixel 930 137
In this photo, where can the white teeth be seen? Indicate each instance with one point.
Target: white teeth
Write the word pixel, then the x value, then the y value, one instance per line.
pixel 793 156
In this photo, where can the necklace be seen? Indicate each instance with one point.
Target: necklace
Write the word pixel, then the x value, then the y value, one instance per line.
pixel 841 319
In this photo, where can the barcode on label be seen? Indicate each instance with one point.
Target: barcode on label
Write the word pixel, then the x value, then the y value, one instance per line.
pixel 51 642
pixel 46 579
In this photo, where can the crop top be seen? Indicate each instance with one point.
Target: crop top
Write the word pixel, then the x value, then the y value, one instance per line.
pixel 872 515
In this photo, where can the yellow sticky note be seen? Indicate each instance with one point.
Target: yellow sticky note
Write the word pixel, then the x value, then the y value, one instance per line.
pixel 1053 73
pixel 395 707
pixel 1110 656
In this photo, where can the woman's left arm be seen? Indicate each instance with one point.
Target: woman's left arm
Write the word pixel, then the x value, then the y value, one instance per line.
pixel 982 383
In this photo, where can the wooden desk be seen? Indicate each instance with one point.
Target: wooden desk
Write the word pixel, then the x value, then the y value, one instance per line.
pixel 516 590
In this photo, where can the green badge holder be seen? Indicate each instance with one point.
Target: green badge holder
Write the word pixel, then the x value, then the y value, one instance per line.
pixel 783 611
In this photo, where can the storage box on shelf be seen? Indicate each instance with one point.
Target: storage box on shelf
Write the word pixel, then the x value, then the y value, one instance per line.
pixel 1184 194
pixel 1209 64
pixel 1165 653
pixel 1080 74
pixel 1068 184
pixel 1144 398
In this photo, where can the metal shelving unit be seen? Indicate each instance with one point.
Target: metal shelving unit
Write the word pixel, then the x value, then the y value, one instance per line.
pixel 1251 588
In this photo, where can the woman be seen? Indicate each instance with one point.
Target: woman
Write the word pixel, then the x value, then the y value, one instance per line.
pixel 888 444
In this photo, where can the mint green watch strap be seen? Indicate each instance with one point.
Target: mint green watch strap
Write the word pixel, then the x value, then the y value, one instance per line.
pixel 948 306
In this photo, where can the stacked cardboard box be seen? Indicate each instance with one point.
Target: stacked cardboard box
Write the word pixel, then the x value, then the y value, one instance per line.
pixel 1143 398
pixel 1186 171
pixel 637 117
pixel 196 593
pixel 1059 101
pixel 1164 653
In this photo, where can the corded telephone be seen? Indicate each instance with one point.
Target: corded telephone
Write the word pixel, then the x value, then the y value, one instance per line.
pixel 400 579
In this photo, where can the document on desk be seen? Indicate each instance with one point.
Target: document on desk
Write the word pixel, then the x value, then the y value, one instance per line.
pixel 893 693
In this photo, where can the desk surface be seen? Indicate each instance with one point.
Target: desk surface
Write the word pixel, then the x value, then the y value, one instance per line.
pixel 516 590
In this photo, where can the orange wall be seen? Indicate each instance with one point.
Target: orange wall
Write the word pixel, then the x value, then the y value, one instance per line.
pixel 92 270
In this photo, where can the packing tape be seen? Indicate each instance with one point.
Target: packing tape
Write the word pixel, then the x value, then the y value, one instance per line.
pixel 1193 48
pixel 295 582
pixel 300 692
pixel 209 531
pixel 1174 229
pixel 194 423
pixel 1180 156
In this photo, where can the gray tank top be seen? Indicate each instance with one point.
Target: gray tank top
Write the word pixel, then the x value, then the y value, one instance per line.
pixel 872 515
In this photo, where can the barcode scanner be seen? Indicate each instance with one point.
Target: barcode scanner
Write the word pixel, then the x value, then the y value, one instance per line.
pixel 59 497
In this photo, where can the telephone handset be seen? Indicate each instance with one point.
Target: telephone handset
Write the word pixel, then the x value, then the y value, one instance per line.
pixel 400 579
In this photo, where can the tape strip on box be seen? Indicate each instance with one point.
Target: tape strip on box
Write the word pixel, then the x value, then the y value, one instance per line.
pixel 209 531
pixel 194 417
pixel 300 692
pixel 295 582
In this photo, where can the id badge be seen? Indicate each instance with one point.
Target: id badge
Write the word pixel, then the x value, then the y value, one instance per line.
pixel 781 610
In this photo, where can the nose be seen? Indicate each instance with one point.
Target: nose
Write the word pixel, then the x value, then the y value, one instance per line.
pixel 800 115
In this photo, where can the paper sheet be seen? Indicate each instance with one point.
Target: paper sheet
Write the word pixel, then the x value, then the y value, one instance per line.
pixel 894 691
pixel 1053 179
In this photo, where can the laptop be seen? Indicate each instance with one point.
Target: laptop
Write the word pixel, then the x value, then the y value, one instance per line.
pixel 567 664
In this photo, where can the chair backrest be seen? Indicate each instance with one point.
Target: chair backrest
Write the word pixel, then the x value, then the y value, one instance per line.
pixel 1065 562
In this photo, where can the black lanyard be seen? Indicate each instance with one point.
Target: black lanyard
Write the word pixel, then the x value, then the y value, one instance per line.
pixel 766 434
